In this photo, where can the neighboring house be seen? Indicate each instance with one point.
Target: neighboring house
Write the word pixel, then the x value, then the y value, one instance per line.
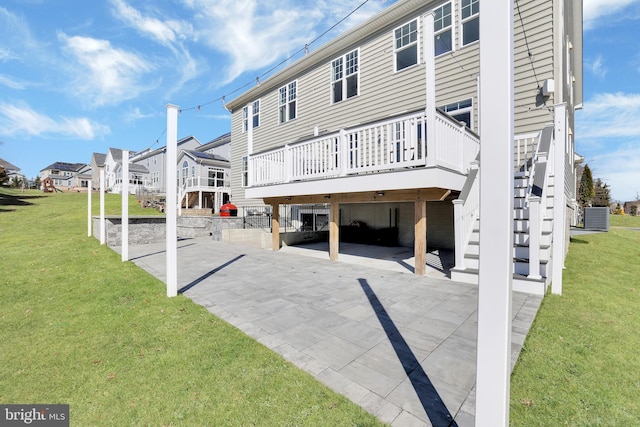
pixel 628 206
pixel 204 175
pixel 138 174
pixel 97 162
pixel 362 127
pixel 155 162
pixel 203 178
pixel 12 171
pixel 68 176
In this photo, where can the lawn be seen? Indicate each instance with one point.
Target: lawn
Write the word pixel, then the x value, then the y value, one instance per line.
pixel 82 328
pixel 580 365
pixel 624 221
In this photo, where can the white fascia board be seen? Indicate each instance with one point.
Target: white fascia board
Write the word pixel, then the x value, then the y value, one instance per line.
pixel 404 180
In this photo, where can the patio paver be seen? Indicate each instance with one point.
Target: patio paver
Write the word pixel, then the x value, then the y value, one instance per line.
pixel 383 337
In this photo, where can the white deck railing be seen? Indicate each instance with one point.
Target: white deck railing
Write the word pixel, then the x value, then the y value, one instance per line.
pixel 397 143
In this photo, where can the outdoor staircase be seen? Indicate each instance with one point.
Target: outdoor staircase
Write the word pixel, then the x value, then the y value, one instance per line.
pixel 524 280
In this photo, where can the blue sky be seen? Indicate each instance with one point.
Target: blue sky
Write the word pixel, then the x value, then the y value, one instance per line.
pixel 77 77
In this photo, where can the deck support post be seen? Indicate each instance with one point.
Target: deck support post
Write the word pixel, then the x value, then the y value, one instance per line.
pixel 89 217
pixel 420 245
pixel 459 233
pixel 124 226
pixel 334 230
pixel 275 227
pixel 493 363
pixel 559 201
pixel 171 201
pixel 103 232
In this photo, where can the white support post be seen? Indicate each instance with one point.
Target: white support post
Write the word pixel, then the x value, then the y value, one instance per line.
pixel 534 237
pixel 559 202
pixel 89 216
pixel 458 224
pixel 125 206
pixel 103 232
pixel 496 215
pixel 430 84
pixel 170 206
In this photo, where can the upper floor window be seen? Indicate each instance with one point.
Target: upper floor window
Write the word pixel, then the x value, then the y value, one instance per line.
pixel 462 111
pixel 255 116
pixel 470 19
pixel 442 29
pixel 406 45
pixel 344 77
pixel 287 97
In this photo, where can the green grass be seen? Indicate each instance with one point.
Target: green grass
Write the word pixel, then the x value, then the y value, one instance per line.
pixel 580 365
pixel 81 327
pixel 624 221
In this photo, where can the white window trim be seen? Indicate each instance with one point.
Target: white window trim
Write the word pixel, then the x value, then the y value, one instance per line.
pixel 344 76
pixel 417 42
pixel 288 101
pixel 461 26
pixel 452 26
pixel 244 172
pixel 256 113
pixel 457 111
pixel 245 119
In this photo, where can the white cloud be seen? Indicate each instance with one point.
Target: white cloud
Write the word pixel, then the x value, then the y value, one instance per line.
pixel 22 120
pixel 166 32
pixel 620 168
pixel 171 34
pixel 254 35
pixel 597 68
pixel 15 36
pixel 136 114
pixel 103 74
pixel 598 12
pixel 610 115
pixel 12 83
pixel 608 135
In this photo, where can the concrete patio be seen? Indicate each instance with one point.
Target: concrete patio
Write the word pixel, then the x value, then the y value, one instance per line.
pixel 401 346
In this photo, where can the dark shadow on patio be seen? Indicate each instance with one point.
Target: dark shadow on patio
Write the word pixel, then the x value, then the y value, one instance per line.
pixel 431 401
pixel 208 274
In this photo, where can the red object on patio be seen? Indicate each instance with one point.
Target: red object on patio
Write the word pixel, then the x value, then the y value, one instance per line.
pixel 228 209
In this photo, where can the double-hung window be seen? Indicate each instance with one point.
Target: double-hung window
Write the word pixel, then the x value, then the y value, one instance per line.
pixel 442 29
pixel 470 20
pixel 462 111
pixel 244 170
pixel 405 45
pixel 287 97
pixel 344 77
pixel 255 116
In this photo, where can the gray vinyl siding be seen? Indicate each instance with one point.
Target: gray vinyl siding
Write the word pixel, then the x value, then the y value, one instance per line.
pixel 384 92
pixel 537 17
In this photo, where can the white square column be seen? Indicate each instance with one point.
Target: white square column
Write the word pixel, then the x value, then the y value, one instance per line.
pixel 125 206
pixel 496 214
pixel 171 201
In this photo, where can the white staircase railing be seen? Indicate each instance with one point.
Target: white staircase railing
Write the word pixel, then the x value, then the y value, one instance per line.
pixel 465 211
pixel 536 198
pixel 530 160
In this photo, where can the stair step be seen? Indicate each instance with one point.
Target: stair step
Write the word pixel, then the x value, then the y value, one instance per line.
pixel 520 283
